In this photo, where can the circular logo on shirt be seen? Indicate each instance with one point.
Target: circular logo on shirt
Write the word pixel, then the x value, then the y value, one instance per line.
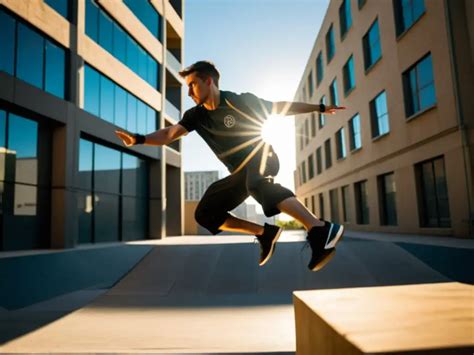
pixel 229 121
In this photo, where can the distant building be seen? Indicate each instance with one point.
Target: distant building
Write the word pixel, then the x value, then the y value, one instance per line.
pixel 399 158
pixel 197 182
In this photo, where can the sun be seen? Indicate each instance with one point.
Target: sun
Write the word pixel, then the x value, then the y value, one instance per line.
pixel 274 130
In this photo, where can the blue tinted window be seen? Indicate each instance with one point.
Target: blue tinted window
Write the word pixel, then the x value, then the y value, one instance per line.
pixel 7 43
pixel 120 44
pixel 3 124
pixel 141 117
pixel 132 55
pixel 106 221
pixel 142 63
pixel 356 141
pixel 152 74
pixel 106 169
pixel 333 92
pixel 106 99
pixel 349 76
pixel 55 69
pixel 85 164
pixel 151 120
pixel 379 113
pixel 322 118
pixel 30 56
pixel 120 107
pixel 419 86
pixel 134 176
pixel 105 31
pixel 91 90
pixel 372 48
pixel 131 113
pixel 407 12
pixel 23 139
pixel 92 20
pixel 330 45
pixel 319 68
pixel 345 17
pixel 340 144
pixel 147 14
pixel 61 6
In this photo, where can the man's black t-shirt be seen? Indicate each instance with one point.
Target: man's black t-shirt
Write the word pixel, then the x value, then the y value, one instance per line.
pixel 233 130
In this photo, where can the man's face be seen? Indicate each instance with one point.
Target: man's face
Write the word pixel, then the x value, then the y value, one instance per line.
pixel 198 89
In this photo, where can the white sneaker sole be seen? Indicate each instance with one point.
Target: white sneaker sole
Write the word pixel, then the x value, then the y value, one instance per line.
pixel 272 248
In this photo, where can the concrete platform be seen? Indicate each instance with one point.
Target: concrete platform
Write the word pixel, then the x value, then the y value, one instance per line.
pixel 412 319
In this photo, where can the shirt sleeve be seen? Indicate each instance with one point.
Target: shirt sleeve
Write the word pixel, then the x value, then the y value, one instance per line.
pixel 259 105
pixel 189 120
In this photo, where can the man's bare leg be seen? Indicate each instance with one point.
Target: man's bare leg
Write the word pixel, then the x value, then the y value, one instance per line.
pixel 234 224
pixel 293 207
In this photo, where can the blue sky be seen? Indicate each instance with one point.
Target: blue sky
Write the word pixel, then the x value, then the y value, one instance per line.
pixel 259 46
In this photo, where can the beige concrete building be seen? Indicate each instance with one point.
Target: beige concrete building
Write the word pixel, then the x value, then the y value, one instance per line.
pixel 399 158
pixel 71 73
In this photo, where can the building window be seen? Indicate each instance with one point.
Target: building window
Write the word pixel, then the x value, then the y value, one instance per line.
pixel 321 206
pixel 362 202
pixel 327 150
pixel 310 84
pixel 330 44
pixel 345 17
pixel 379 115
pixel 349 75
pixel 301 132
pixel 313 205
pixel 311 166
pixel 340 144
pixel 333 199
pixel 345 203
pixel 322 117
pixel 419 88
pixel 303 171
pixel 306 131
pixel 361 3
pixel 61 7
pixel 114 39
pixel 313 124
pixel 333 93
pixel 407 12
pixel 147 14
pixel 387 195
pixel 354 133
pixel 372 47
pixel 107 100
pixel 433 194
pixel 319 161
pixel 319 68
pixel 20 43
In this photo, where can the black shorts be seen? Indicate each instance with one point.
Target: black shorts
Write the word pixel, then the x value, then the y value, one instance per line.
pixel 253 180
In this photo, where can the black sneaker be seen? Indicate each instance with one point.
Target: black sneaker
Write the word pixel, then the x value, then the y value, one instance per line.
pixel 323 241
pixel 267 242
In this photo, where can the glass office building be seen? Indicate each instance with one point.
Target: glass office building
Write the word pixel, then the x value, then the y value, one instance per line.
pixel 71 73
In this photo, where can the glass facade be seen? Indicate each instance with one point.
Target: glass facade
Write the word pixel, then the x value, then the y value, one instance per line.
pixel 362 202
pixel 349 75
pixel 407 12
pixel 433 194
pixel 372 46
pixel 333 93
pixel 340 144
pixel 345 17
pixel 114 39
pixel 379 115
pixel 330 44
pixel 355 134
pixel 112 201
pixel 48 69
pixel 148 15
pixel 387 196
pixel 107 100
pixel 419 88
pixel 319 68
pixel 61 7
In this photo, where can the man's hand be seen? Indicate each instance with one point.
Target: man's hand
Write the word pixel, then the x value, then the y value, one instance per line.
pixel 332 109
pixel 126 138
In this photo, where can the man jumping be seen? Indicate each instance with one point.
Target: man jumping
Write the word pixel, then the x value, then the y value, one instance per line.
pixel 231 125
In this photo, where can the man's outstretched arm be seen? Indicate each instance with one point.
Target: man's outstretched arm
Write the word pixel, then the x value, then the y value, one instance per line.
pixel 286 108
pixel 162 136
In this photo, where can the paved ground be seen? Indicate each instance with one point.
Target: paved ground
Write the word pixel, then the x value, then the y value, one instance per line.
pixel 208 295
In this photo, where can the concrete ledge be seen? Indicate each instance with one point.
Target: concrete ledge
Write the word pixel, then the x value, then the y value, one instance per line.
pixel 425 318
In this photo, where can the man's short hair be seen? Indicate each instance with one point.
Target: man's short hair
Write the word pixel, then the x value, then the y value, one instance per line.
pixel 203 69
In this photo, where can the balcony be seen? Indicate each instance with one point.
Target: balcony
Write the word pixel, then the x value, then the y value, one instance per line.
pixel 172 62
